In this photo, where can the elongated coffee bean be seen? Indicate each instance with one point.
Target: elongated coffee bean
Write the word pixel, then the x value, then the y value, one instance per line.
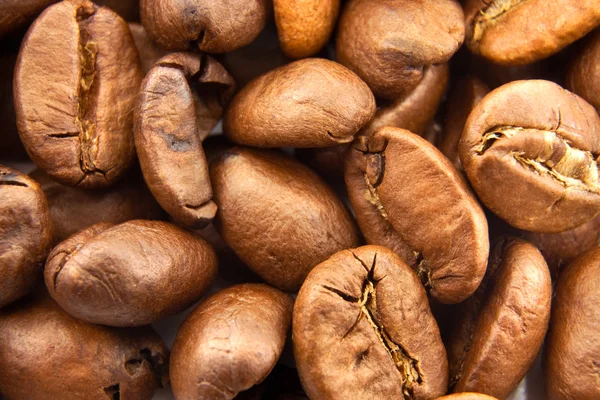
pixel 181 99
pixel 129 274
pixel 407 196
pixel 25 234
pixel 308 103
pixel 76 79
pixel 363 329
pixel 529 149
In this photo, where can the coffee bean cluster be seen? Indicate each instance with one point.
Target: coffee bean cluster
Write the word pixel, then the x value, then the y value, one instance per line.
pixel 324 199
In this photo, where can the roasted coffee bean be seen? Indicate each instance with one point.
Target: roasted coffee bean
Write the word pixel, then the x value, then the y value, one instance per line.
pixel 391 43
pixel 76 80
pixel 181 100
pixel 277 215
pixel 529 149
pixel 465 95
pixel 18 13
pixel 230 342
pixel 149 51
pixel 583 77
pixel 362 329
pixel 304 26
pixel 514 32
pixel 47 354
pixel 308 103
pixel 408 197
pixel 499 331
pixel 214 26
pixel 467 396
pixel 129 274
pixel 573 344
pixel 73 209
pixel 25 234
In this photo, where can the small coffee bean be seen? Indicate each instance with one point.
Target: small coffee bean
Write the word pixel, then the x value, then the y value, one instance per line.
pixel 129 274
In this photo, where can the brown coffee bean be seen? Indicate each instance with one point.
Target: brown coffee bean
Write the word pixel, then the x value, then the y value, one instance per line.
pixel 573 345
pixel 304 26
pixel 362 329
pixel 277 215
pixel 76 80
pixel 73 209
pixel 17 14
pixel 583 77
pixel 213 26
pixel 230 342
pixel 408 197
pixel 499 331
pixel 25 234
pixel 467 396
pixel 149 51
pixel 181 100
pixel 465 95
pixel 129 274
pixel 559 249
pixel 47 354
pixel 514 32
pixel 529 149
pixel 390 43
pixel 308 103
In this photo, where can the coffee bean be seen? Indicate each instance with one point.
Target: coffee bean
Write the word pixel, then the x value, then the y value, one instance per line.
pixel 76 79
pixel 18 13
pixel 529 149
pixel 129 274
pixel 363 329
pixel 573 345
pixel 390 43
pixel 308 103
pixel 277 215
pixel 25 234
pixel 181 100
pixel 407 196
pixel 583 77
pixel 230 342
pixel 47 354
pixel 500 329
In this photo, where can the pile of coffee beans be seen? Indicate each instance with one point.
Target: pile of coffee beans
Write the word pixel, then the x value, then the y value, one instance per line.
pixel 320 199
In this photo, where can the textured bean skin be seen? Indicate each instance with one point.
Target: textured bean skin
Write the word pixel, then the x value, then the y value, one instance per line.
pixel 363 329
pixel 74 90
pixel 25 234
pixel 583 76
pixel 308 103
pixel 47 354
pixel 467 396
pixel 573 343
pixel 443 238
pixel 17 13
pixel 500 329
pixel 540 141
pixel 277 215
pixel 129 274
pixel 230 342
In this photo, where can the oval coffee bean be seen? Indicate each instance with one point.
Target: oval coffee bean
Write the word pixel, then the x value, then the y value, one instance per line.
pixel 529 149
pixel 304 26
pixel 230 342
pixel 390 43
pixel 18 13
pixel 467 396
pixel 583 77
pixel 308 103
pixel 73 209
pixel 25 234
pixel 213 26
pixel 76 79
pixel 515 32
pixel 500 330
pixel 572 357
pixel 170 119
pixel 47 354
pixel 129 274
pixel 277 215
pixel 362 329
pixel 408 197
